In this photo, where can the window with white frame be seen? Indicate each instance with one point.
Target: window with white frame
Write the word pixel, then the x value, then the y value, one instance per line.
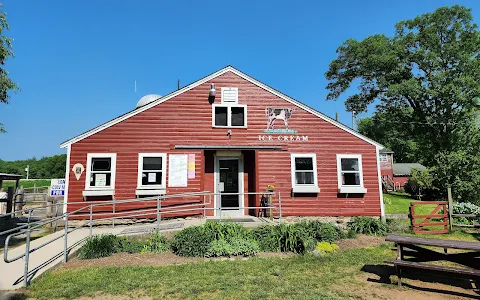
pixel 304 173
pixel 229 115
pixel 350 173
pixel 151 171
pixel 100 171
pixel 383 157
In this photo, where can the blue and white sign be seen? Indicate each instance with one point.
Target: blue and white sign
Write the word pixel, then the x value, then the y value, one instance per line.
pixel 57 188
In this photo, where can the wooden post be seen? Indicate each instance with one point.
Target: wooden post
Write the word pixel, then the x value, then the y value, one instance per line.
pixel 450 209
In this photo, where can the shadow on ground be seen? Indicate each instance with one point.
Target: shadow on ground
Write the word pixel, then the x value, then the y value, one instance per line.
pixel 384 272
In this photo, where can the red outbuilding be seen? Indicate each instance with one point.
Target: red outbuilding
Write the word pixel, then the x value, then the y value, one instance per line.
pixel 226 133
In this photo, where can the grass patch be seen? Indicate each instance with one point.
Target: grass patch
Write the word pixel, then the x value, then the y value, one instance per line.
pixel 400 204
pixel 298 277
pixel 27 183
pixel 457 234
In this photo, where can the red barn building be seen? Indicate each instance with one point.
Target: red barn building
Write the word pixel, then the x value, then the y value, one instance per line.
pixel 227 133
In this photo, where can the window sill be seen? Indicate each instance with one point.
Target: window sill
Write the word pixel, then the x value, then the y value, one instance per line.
pixel 98 192
pixel 152 192
pixel 244 127
pixel 306 189
pixel 352 190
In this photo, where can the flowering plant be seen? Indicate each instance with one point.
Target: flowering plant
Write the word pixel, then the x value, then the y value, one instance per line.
pixel 271 187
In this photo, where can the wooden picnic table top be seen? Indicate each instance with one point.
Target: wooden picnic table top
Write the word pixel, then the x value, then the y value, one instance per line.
pixel 411 240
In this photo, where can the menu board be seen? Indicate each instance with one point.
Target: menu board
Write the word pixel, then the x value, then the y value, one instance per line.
pixel 177 170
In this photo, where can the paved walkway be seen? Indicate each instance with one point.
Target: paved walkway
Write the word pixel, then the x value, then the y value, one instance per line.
pixel 11 274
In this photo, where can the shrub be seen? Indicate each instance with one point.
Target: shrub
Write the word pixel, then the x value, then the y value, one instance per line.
pixel 235 246
pixel 124 244
pixel 99 246
pixel 226 230
pixel 367 225
pixel 157 243
pixel 321 231
pixel 192 241
pixel 466 208
pixel 326 247
pixel 267 238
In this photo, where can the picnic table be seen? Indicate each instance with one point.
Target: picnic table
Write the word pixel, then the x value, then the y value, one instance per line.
pixel 418 255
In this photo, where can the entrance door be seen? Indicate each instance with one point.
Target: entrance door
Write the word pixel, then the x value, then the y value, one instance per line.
pixel 229 181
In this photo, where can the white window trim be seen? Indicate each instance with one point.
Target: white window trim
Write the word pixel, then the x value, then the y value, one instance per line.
pixel 229 115
pixel 154 189
pixel 304 188
pixel 230 88
pixel 105 190
pixel 345 189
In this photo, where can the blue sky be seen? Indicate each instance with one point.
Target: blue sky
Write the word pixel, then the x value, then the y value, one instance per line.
pixel 76 61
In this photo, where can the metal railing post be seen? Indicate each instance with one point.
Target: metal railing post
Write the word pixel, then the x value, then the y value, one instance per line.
pixel 113 220
pixel 27 257
pixel 91 217
pixel 280 206
pixel 204 206
pixel 29 217
pixel 158 213
pixel 65 254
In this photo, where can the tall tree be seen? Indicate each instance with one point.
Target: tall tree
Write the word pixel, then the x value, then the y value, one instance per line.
pixel 431 65
pixel 6 51
pixel 395 131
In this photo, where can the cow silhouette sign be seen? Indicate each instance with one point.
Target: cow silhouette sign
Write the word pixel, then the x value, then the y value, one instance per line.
pixel 274 114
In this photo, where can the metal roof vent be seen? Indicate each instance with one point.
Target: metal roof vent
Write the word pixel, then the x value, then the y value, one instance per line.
pixel 147 99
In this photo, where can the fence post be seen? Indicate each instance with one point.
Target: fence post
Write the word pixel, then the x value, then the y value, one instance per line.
pixel 158 213
pixel 280 206
pixel 27 258
pixel 91 217
pixel 65 253
pixel 450 209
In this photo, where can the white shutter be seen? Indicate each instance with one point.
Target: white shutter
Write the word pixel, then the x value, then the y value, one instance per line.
pixel 229 95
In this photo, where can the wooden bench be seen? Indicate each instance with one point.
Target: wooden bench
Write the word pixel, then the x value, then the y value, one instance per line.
pixel 418 255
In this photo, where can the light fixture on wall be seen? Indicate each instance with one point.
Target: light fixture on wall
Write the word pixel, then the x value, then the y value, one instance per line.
pixel 212 93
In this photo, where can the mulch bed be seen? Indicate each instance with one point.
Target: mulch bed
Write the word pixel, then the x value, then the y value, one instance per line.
pixel 361 241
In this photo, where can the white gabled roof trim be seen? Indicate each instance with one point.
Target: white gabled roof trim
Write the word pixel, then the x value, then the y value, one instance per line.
pixel 206 79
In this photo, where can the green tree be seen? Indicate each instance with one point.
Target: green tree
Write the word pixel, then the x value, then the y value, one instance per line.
pixel 393 130
pixel 430 65
pixel 6 51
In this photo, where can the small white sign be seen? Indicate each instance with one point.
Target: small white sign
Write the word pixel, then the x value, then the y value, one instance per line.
pixel 101 180
pixel 177 172
pixel 152 177
pixel 57 187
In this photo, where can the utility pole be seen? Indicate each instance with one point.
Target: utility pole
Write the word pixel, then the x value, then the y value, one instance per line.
pixel 27 169
pixel 336 116
pixel 353 120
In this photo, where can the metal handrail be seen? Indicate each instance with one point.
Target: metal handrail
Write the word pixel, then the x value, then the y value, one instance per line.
pixel 114 215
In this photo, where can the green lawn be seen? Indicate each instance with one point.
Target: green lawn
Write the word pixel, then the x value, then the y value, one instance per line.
pixel 27 183
pixel 400 204
pixel 300 277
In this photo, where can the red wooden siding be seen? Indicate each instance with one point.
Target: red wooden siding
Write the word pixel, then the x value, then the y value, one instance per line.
pixel 187 120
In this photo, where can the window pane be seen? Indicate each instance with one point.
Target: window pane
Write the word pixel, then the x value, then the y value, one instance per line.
pixel 238 116
pixel 350 178
pixel 149 178
pixel 303 163
pixel 350 164
pixel 152 163
pixel 100 179
pixel 101 164
pixel 304 177
pixel 220 116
